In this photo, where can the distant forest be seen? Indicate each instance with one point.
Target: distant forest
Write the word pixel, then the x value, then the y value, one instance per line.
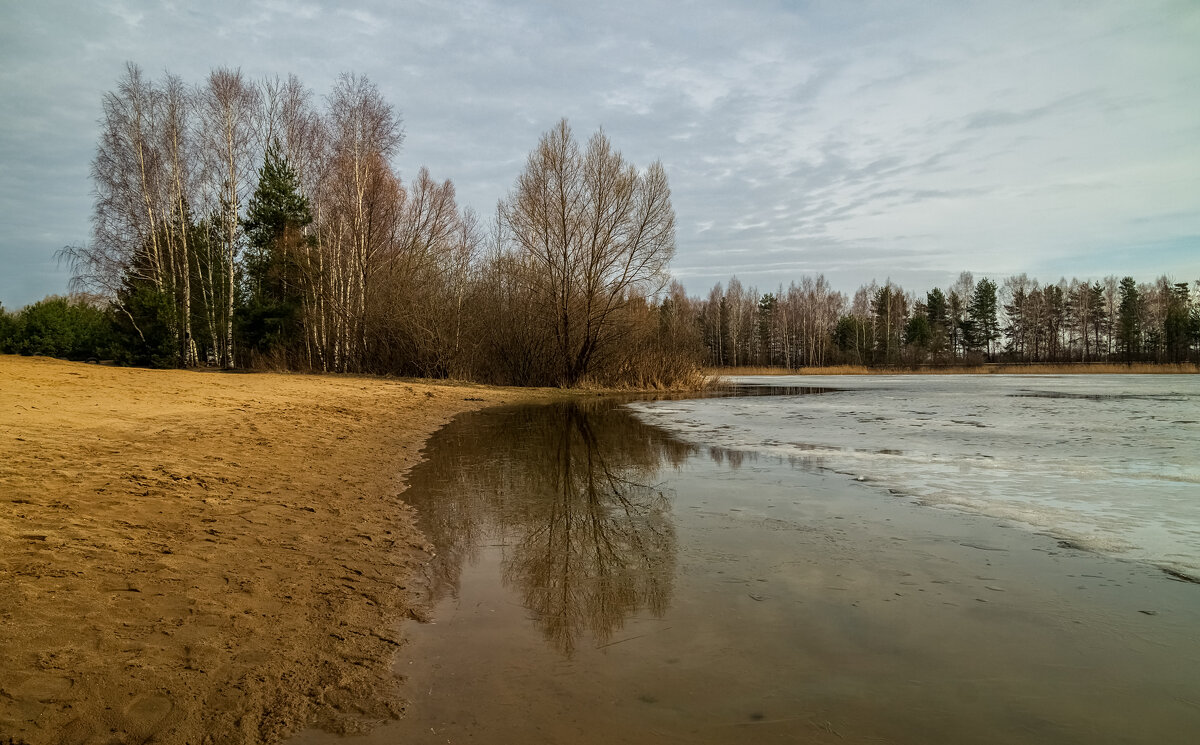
pixel 238 224
pixel 1019 320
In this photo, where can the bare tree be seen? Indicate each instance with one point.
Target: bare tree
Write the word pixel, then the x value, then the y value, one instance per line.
pixel 228 106
pixel 416 306
pixel 180 167
pixel 387 276
pixel 126 175
pixel 364 134
pixel 130 224
pixel 597 233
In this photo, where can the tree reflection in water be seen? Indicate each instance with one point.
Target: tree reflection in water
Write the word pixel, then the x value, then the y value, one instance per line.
pixel 569 491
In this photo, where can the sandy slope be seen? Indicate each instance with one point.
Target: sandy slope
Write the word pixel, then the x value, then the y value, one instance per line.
pixel 192 557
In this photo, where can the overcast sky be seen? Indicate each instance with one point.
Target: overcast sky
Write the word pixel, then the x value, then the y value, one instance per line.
pixel 873 140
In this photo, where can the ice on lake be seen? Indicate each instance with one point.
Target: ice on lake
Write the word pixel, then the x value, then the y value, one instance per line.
pixel 1110 463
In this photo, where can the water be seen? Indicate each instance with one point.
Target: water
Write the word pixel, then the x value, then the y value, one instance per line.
pixel 596 579
pixel 1108 462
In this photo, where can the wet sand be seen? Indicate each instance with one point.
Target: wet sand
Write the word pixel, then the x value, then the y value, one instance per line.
pixel 598 581
pixel 203 557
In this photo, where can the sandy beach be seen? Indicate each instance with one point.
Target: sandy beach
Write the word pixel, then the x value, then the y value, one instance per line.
pixel 206 557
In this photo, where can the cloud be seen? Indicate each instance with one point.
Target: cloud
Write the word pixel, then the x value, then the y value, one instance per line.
pixel 909 139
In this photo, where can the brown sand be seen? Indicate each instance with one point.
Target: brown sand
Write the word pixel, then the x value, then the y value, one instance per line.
pixel 193 557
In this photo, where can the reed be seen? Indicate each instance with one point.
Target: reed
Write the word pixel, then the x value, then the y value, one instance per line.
pixel 752 370
pixel 1001 368
pixel 1097 368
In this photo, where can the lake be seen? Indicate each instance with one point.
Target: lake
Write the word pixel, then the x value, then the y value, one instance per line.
pixel 1108 462
pixel 861 560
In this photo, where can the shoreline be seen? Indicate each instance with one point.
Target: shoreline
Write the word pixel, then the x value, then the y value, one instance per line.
pixel 1013 448
pixel 191 556
pixel 991 368
pixel 792 599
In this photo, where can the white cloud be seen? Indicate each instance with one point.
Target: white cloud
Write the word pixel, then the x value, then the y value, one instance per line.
pixel 907 139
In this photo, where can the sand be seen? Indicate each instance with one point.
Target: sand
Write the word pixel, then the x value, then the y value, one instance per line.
pixel 206 557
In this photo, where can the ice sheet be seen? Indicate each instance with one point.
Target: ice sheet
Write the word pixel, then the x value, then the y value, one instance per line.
pixel 1108 462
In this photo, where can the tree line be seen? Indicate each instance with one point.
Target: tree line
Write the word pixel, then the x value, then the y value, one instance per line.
pixel 249 223
pixel 1018 320
pixel 244 223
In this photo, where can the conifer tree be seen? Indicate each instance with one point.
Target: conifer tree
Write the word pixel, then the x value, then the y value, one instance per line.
pixel 272 295
pixel 1129 325
pixel 984 324
pixel 938 312
pixel 1177 326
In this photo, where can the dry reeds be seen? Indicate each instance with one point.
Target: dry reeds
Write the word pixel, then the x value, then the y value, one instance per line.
pixel 1097 368
pixel 1076 368
pixel 752 370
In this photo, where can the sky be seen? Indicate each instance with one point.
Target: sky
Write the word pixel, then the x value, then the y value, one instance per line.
pixel 900 140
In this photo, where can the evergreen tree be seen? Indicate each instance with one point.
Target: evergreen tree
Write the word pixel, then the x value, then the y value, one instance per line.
pixel 1055 319
pixel 1177 327
pixel 985 326
pixel 1129 323
pixel 70 328
pixel 937 311
pixel 766 329
pixel 145 315
pixel 854 337
pixel 145 325
pixel 271 294
pixel 1194 325
pixel 1016 328
pixel 918 332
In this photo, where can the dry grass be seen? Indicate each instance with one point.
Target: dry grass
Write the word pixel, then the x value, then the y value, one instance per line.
pixel 989 369
pixel 1095 369
pixel 752 370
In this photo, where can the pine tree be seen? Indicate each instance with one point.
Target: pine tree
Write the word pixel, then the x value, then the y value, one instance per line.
pixel 1017 323
pixel 271 294
pixel 937 310
pixel 1177 327
pixel 918 332
pixel 985 328
pixel 1129 324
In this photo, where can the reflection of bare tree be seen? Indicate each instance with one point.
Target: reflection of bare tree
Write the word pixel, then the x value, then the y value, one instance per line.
pixel 589 539
pixel 735 458
pixel 597 546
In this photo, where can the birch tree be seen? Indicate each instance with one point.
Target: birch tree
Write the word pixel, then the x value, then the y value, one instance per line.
pixel 126 173
pixel 180 156
pixel 361 191
pixel 228 107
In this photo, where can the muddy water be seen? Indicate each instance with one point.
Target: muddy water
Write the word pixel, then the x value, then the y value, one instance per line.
pixel 597 581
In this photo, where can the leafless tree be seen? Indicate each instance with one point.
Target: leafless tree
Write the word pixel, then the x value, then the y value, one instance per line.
pixel 180 156
pixel 141 180
pixel 228 108
pixel 355 209
pixel 596 233
pixel 127 175
pixel 387 276
pixel 417 306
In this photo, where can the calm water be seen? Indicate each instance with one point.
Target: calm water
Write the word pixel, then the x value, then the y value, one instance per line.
pixel 601 580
